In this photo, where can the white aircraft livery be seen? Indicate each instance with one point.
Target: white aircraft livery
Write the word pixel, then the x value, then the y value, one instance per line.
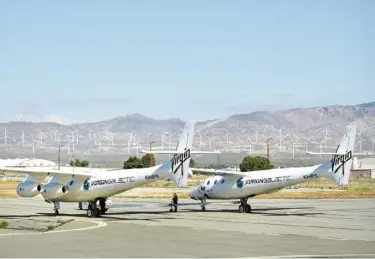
pixel 95 187
pixel 225 185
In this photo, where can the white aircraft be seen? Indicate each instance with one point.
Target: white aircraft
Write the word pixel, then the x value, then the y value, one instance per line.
pixel 227 185
pixel 95 186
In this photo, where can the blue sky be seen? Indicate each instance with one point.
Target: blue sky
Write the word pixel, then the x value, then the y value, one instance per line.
pixel 93 60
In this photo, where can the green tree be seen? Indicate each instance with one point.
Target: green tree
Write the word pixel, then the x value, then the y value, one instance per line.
pixel 78 163
pixel 192 163
pixel 255 163
pixel 148 160
pixel 84 163
pixel 133 162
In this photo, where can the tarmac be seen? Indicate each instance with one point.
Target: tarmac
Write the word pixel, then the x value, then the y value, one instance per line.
pixel 146 228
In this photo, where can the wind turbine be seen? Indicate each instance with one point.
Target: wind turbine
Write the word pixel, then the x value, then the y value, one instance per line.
pixel 250 145
pixel 33 143
pixel 210 139
pixel 130 140
pixel 293 144
pixel 163 139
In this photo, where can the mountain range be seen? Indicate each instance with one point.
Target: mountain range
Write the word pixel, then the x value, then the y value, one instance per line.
pixel 301 125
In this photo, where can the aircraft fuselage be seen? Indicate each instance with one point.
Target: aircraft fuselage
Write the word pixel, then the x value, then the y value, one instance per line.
pixel 106 184
pixel 257 182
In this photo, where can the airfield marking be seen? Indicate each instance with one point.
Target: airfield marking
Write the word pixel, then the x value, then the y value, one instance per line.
pixel 202 228
pixel 100 224
pixel 325 220
pixel 312 256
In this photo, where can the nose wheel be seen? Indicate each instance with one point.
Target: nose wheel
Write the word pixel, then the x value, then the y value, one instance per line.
pixel 203 204
pixel 56 207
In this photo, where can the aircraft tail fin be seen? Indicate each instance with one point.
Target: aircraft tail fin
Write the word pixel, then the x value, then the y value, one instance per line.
pixel 180 162
pixel 338 168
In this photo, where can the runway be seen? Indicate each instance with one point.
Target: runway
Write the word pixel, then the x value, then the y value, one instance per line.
pixel 144 228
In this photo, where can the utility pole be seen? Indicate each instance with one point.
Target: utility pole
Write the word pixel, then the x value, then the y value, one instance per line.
pixel 59 157
pixel 149 154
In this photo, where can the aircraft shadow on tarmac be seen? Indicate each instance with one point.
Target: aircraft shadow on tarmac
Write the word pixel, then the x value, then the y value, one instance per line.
pixel 263 211
pixel 109 216
pixel 112 215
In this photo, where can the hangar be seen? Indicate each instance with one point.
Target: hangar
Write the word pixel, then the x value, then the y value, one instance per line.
pixel 363 168
pixel 26 162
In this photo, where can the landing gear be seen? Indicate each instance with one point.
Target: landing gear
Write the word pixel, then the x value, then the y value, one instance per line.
pixel 103 209
pixel 244 207
pixel 94 211
pixel 203 204
pixel 56 207
pixel 90 213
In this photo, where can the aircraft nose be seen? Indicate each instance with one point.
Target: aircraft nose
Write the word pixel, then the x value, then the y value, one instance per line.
pixel 193 194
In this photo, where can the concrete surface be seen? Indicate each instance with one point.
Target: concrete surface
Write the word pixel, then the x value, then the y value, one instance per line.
pixel 145 228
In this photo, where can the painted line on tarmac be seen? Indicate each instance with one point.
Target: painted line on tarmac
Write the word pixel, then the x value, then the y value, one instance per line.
pixel 285 256
pixel 318 256
pixel 100 224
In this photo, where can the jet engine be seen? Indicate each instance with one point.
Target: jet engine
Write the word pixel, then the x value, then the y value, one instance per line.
pixel 28 189
pixel 52 191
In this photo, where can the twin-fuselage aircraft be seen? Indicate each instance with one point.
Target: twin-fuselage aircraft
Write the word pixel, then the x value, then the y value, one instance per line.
pixel 96 187
pixel 229 185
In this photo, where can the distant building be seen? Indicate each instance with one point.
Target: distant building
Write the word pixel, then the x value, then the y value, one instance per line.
pixel 363 168
pixel 26 162
pixel 360 173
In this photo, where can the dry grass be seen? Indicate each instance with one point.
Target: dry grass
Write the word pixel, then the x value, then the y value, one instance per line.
pixel 306 195
pixel 8 189
pixel 153 196
pixel 319 195
pixel 344 194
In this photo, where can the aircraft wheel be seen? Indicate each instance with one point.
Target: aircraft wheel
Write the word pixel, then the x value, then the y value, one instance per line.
pixel 175 209
pixel 170 210
pixel 241 208
pixel 248 208
pixel 80 205
pixel 56 212
pixel 203 208
pixel 90 213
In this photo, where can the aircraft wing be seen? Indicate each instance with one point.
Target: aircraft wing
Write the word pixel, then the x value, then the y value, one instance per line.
pixel 332 153
pixel 38 174
pixel 204 171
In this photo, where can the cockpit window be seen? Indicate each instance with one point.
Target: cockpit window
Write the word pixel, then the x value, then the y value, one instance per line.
pixel 208 182
pixel 222 181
